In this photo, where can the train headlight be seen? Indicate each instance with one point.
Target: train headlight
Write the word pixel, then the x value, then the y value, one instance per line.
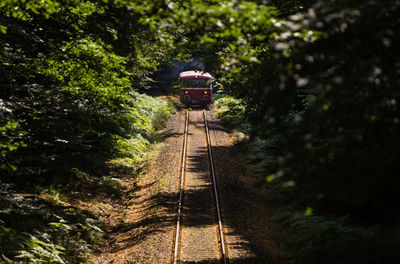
pixel 205 92
pixel 186 92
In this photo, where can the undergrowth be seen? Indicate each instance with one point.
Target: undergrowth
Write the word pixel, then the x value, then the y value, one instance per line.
pixel 312 238
pixel 229 109
pixel 308 236
pixel 33 230
pixel 46 226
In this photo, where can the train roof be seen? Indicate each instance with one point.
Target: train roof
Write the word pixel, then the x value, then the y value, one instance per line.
pixel 195 75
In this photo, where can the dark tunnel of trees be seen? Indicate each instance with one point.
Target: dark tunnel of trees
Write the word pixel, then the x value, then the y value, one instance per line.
pixel 316 88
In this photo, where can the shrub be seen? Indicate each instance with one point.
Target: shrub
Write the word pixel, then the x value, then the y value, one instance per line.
pixel 317 239
pixel 230 109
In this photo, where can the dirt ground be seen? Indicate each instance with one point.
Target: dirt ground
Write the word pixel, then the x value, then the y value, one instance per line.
pixel 251 234
pixel 140 229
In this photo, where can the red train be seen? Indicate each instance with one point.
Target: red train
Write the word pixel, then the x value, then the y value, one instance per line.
pixel 195 88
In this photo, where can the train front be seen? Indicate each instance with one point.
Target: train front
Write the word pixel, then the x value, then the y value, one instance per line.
pixel 195 88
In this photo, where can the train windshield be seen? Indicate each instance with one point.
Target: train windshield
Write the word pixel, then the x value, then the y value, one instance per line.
pixel 196 83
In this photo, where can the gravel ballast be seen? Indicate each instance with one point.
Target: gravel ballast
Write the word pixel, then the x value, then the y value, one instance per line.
pixel 144 232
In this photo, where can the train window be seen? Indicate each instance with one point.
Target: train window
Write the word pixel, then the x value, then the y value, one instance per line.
pixel 196 83
pixel 209 83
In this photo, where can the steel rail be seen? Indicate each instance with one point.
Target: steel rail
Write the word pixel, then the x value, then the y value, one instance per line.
pixel 178 223
pixel 221 235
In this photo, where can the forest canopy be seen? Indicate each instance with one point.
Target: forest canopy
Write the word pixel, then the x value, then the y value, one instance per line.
pixel 317 84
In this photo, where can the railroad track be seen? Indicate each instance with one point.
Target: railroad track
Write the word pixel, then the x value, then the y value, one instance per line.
pixel 199 234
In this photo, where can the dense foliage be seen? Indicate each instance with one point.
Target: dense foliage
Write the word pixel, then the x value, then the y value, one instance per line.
pixel 315 81
pixel 327 144
pixel 69 103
